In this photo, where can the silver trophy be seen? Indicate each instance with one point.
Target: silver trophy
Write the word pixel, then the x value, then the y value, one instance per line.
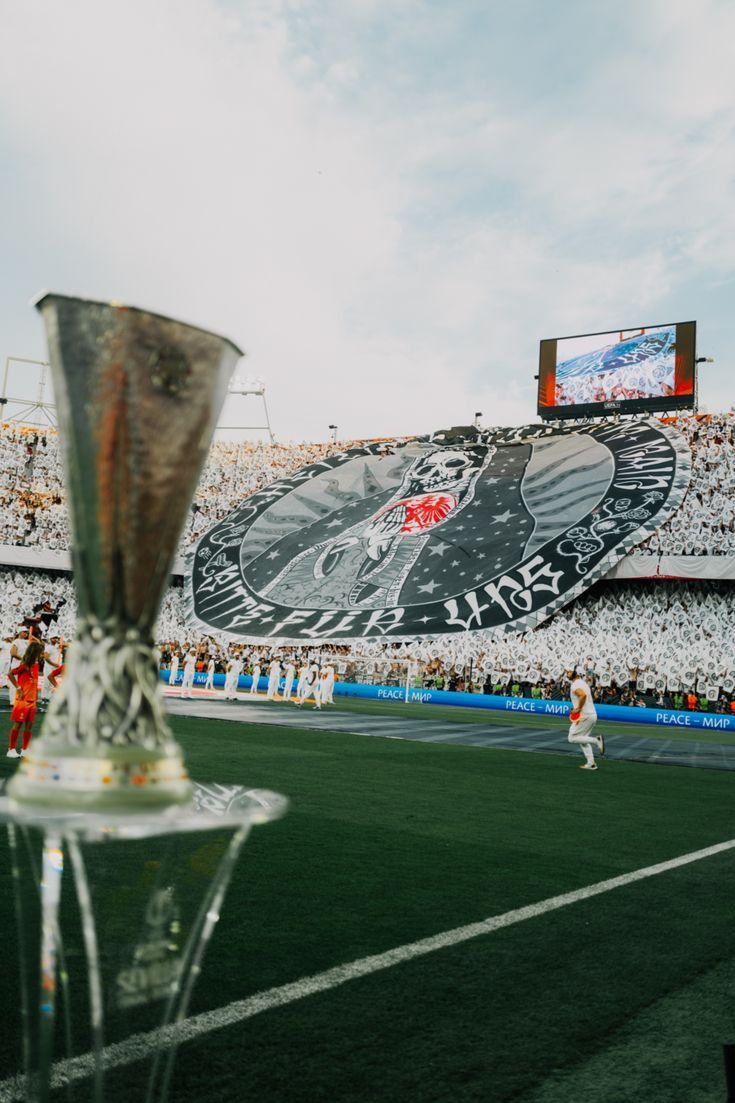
pixel 102 801
pixel 138 399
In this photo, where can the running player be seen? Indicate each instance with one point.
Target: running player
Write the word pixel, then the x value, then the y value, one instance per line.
pixel 583 716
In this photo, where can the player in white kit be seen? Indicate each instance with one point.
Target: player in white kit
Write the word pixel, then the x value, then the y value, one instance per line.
pixel 307 678
pixel 232 678
pixel 256 678
pixel 290 674
pixel 174 669
pixel 52 659
pixel 228 679
pixel 274 677
pixel 583 716
pixel 209 684
pixel 187 682
pixel 315 681
pixel 328 686
pixel 316 686
pixel 303 675
pixel 321 688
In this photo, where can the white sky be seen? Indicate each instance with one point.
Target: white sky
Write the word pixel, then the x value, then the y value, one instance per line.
pixel 387 203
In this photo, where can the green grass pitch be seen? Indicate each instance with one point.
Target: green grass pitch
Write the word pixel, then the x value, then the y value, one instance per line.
pixel 626 996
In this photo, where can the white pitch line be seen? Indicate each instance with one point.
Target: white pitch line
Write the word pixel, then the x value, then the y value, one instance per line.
pixel 141 1046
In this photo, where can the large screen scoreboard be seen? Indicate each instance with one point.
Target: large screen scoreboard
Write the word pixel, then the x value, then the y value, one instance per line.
pixel 620 371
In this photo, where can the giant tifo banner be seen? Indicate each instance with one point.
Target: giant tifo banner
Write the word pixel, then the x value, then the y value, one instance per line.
pixel 437 535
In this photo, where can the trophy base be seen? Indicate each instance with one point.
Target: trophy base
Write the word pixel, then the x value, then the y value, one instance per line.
pixel 115 910
pixel 127 778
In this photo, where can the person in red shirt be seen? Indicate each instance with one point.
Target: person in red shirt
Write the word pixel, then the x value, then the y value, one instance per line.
pixel 25 679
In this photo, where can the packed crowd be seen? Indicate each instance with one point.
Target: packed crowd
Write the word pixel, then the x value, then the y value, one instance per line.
pixel 643 380
pixel 705 523
pixel 33 511
pixel 641 643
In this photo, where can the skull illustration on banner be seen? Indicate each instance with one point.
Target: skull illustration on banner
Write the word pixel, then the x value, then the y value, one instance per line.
pixel 367 564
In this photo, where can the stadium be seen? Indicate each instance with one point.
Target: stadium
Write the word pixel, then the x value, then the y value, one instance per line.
pixel 450 909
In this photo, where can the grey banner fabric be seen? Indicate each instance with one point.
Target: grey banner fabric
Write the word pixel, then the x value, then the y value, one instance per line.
pixel 495 531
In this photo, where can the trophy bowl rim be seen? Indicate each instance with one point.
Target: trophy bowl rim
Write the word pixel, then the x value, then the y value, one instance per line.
pixel 44 297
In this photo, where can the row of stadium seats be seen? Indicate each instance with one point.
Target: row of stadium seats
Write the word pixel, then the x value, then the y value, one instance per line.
pixel 32 510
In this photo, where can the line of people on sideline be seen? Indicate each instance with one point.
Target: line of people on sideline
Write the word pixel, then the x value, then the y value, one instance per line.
pixel 314 680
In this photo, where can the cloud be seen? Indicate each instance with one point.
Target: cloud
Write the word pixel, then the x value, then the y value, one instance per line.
pixel 386 212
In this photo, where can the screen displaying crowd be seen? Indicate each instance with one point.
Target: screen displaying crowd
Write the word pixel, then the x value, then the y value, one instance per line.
pixel 639 367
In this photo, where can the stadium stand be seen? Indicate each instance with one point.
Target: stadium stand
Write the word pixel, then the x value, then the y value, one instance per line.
pixel 705 524
pixel 640 642
pixel 32 510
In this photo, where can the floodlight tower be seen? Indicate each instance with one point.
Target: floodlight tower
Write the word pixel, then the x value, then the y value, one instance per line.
pixel 26 410
pixel 256 389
